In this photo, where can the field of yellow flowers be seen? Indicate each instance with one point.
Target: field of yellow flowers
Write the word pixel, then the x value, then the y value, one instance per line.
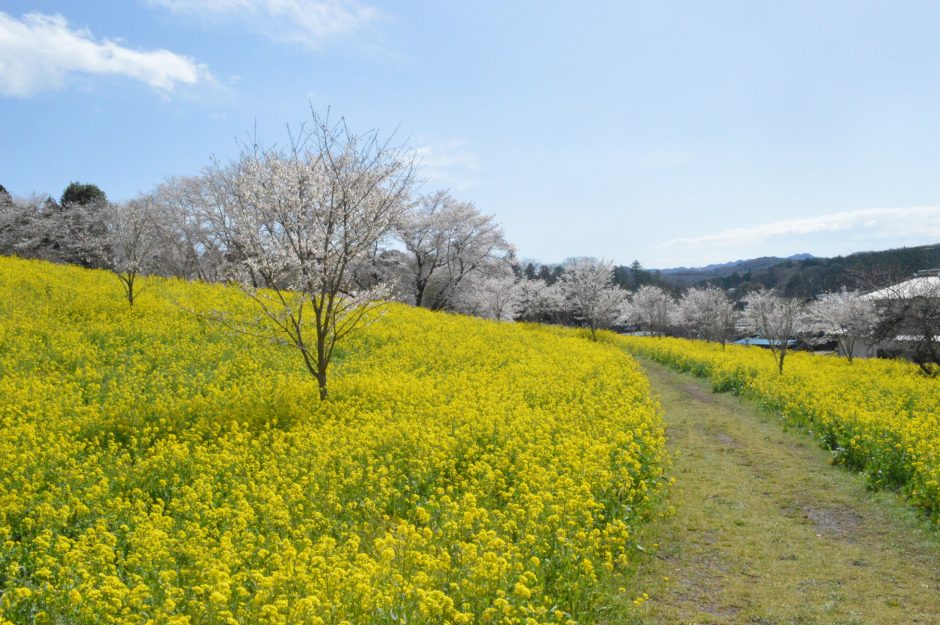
pixel 878 416
pixel 155 468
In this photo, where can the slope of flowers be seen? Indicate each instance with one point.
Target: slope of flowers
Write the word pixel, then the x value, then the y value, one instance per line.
pixel 880 417
pixel 156 469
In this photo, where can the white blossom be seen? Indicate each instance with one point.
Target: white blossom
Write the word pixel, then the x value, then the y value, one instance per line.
pixel 707 313
pixel 447 242
pixel 775 318
pixel 591 295
pixel 294 223
pixel 132 239
pixel 497 296
pixel 652 308
pixel 845 316
pixel 539 300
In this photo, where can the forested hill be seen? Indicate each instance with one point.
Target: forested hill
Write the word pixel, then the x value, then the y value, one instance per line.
pixel 798 275
pixel 810 276
pixel 685 276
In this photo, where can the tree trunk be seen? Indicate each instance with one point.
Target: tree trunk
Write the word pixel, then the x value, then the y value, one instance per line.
pixel 420 286
pixel 127 281
pixel 130 291
pixel 322 362
pixel 321 382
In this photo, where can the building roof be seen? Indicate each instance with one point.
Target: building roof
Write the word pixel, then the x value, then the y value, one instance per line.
pixel 761 342
pixel 918 286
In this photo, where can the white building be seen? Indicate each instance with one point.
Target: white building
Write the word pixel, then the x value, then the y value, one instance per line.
pixel 915 303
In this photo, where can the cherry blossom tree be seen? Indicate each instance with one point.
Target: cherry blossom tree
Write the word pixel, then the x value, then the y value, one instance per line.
pixel 844 315
pixel 21 225
pixel 293 223
pixel 540 301
pixel 188 248
pixel 775 318
pixel 708 313
pixel 447 242
pixel 652 307
pixel 591 295
pixel 424 233
pixel 77 225
pixel 130 243
pixel 497 296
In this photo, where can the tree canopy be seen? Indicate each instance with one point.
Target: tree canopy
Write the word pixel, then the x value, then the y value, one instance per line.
pixel 83 195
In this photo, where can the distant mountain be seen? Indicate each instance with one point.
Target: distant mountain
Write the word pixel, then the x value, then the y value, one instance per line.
pixel 684 276
pixel 763 260
pixel 806 275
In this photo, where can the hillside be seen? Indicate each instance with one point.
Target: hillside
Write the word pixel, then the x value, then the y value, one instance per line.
pixel 802 276
pixel 155 467
pixel 686 276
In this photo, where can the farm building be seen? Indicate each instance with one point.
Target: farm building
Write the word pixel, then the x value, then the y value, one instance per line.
pixel 924 284
pixel 911 317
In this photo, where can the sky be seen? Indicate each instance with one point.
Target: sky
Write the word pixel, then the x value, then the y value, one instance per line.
pixel 675 133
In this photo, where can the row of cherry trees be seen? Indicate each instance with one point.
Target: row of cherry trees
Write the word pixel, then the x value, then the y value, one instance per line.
pixel 709 313
pixel 331 219
pixel 321 232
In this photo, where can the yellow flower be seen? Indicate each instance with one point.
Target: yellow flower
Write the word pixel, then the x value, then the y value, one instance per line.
pixel 877 416
pixel 463 470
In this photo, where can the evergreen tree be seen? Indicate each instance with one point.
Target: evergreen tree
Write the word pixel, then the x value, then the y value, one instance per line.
pixel 83 195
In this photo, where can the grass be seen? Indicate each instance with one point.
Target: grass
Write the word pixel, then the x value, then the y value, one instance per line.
pixel 765 531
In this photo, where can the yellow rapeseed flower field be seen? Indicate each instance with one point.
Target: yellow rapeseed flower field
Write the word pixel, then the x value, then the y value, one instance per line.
pixel 881 417
pixel 155 468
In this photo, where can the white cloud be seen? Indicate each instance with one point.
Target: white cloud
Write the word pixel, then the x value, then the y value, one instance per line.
pixel 447 164
pixel 306 22
pixel 824 235
pixel 38 52
pixel 874 223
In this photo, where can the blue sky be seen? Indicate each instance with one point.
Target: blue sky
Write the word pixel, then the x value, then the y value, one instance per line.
pixel 677 133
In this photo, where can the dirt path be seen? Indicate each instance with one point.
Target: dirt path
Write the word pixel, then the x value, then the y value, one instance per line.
pixel 766 531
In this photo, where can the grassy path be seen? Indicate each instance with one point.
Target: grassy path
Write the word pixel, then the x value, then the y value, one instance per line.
pixel 766 531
